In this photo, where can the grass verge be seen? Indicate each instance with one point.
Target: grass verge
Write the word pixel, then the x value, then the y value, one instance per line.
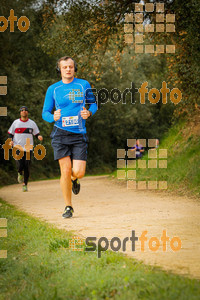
pixel 183 164
pixel 40 265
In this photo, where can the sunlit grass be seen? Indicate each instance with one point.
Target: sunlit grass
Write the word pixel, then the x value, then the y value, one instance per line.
pixel 40 265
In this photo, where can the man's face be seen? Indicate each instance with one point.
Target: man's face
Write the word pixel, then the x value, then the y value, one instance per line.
pixel 24 113
pixel 67 69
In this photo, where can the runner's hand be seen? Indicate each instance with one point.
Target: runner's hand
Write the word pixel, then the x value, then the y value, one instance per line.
pixel 11 143
pixel 57 115
pixel 85 113
pixel 40 137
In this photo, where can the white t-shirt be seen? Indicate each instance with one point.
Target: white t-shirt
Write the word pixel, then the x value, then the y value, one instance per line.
pixel 23 130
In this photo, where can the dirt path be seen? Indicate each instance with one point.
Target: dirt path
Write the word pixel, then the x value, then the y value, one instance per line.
pixel 106 208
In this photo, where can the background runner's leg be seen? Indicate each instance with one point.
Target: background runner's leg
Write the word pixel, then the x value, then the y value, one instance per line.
pixel 20 165
pixel 26 168
pixel 65 179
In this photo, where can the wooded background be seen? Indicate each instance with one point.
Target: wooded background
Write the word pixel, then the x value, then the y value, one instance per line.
pixel 92 32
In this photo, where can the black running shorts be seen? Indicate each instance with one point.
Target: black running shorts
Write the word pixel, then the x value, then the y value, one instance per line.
pixel 66 143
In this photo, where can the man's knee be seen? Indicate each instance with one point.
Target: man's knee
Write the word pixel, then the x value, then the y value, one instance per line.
pixel 66 171
pixel 65 166
pixel 78 173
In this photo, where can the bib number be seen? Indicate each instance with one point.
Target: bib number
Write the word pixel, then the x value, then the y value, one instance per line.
pixel 70 121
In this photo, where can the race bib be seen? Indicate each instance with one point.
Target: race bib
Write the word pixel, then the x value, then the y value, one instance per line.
pixel 70 121
pixel 137 152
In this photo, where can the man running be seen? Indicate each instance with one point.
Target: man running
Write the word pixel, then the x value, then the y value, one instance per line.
pixel 69 138
pixel 21 132
pixel 138 148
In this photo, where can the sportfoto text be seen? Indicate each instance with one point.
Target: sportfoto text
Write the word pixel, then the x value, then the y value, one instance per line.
pixel 23 22
pixel 154 94
pixel 117 244
pixel 18 152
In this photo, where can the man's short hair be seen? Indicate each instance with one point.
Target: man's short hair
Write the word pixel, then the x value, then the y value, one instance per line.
pixel 65 58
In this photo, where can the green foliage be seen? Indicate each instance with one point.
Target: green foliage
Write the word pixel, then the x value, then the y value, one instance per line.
pixel 113 124
pixel 183 166
pixel 58 243
pixel 92 32
pixel 183 67
pixel 29 71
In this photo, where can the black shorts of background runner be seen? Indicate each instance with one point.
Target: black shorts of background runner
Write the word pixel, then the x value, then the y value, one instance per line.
pixel 23 164
pixel 66 143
